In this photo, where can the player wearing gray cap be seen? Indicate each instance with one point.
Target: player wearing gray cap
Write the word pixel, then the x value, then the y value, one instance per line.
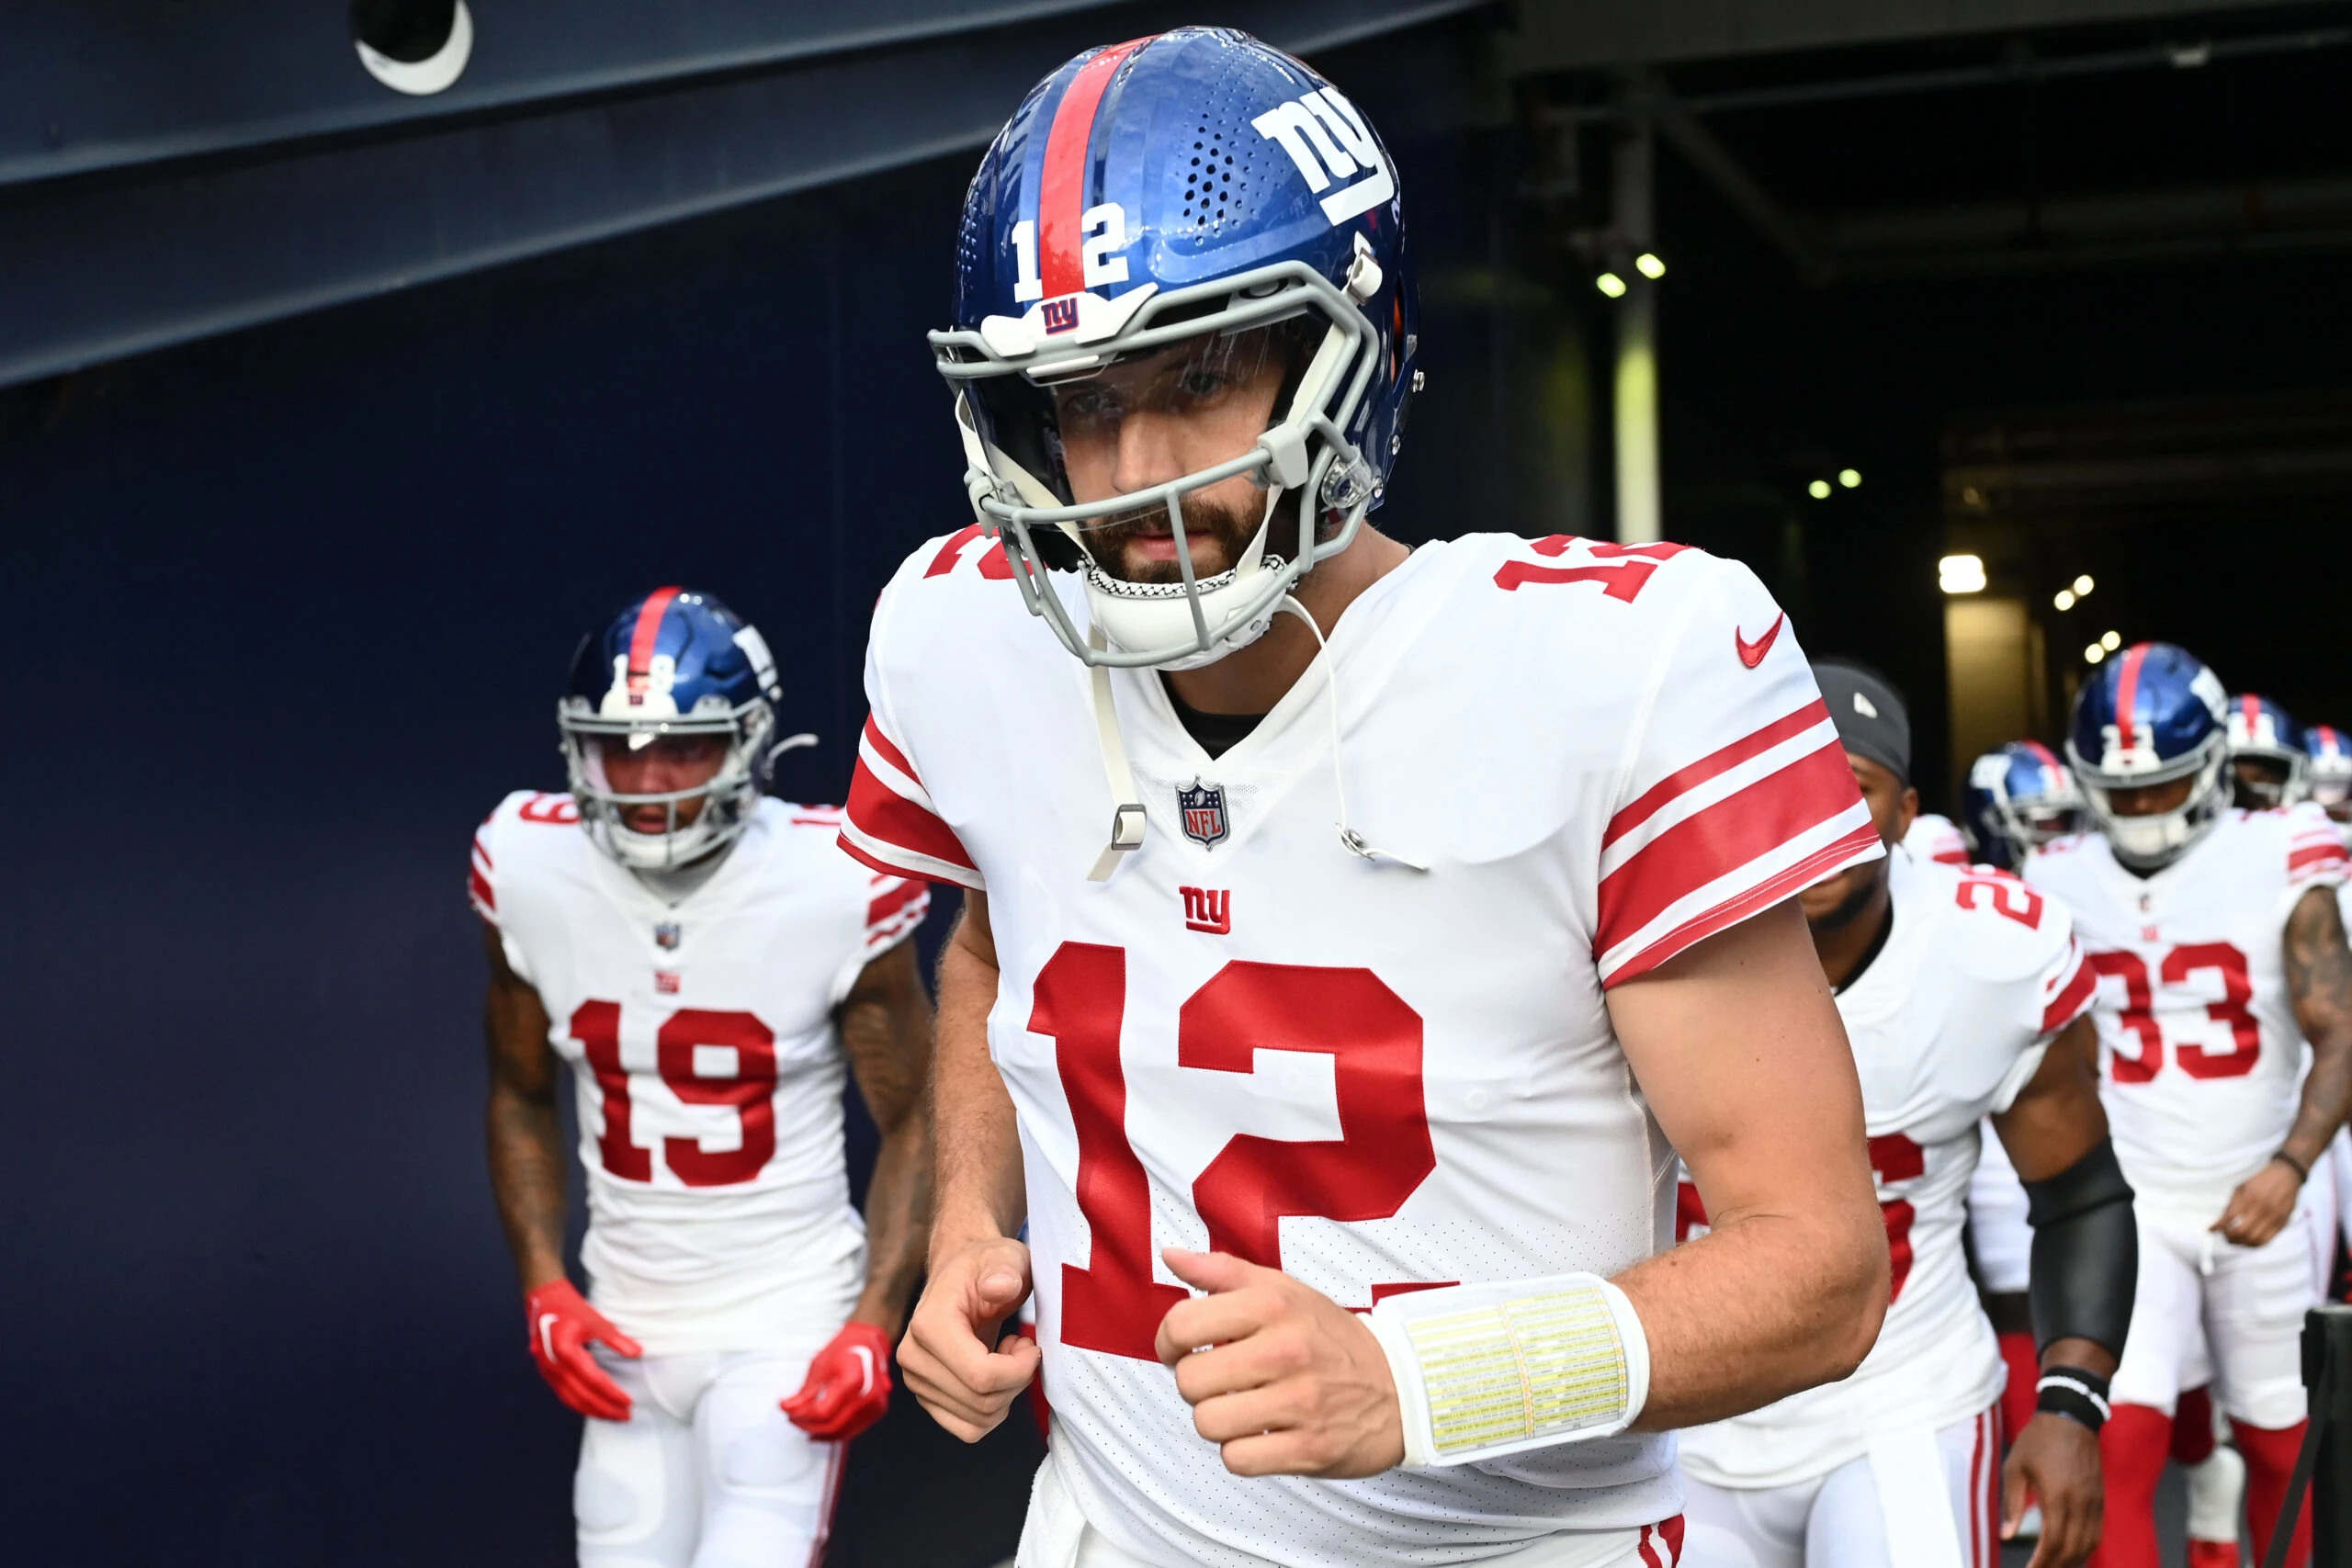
pixel 1963 994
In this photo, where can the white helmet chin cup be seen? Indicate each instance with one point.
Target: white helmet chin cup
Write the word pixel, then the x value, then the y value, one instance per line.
pixel 1138 615
pixel 2148 843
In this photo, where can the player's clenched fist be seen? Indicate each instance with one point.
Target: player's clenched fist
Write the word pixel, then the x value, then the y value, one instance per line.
pixel 945 1356
pixel 1283 1379
pixel 562 1325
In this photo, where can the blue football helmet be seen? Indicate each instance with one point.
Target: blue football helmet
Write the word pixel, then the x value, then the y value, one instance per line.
pixel 2330 772
pixel 1165 225
pixel 2019 799
pixel 673 663
pixel 2149 715
pixel 2264 733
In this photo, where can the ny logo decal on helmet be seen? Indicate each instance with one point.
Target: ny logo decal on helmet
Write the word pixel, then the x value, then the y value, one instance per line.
pixel 1328 139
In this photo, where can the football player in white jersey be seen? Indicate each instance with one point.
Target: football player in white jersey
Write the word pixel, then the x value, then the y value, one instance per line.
pixel 702 958
pixel 2218 941
pixel 2329 771
pixel 1445 894
pixel 1963 993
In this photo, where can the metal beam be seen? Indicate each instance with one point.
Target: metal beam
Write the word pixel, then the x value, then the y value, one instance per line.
pixel 1568 35
pixel 100 266
pixel 1813 265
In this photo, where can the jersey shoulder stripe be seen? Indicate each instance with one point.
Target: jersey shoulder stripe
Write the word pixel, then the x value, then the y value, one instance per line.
pixel 479 891
pixel 1783 815
pixel 891 825
pixel 2070 991
pixel 1735 792
pixel 2315 855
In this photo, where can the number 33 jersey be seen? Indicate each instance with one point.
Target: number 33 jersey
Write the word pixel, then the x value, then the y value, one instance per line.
pixel 2201 1059
pixel 1948 1022
pixel 706 1072
pixel 1376 1079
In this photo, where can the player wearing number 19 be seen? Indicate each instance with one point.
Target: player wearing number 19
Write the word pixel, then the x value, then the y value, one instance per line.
pixel 2217 940
pixel 1354 932
pixel 702 958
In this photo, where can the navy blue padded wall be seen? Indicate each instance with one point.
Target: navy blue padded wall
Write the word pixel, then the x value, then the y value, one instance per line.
pixel 308 594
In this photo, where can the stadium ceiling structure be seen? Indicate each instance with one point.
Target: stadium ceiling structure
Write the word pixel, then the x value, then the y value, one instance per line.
pixel 168 172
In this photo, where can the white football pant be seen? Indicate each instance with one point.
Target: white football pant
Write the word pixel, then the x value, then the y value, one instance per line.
pixel 705 1472
pixel 2198 1295
pixel 1925 1480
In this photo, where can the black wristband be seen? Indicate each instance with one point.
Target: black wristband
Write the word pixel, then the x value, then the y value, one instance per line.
pixel 2074 1392
pixel 2302 1172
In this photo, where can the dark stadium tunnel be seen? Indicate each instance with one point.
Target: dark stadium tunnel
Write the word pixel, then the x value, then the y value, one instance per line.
pixel 293 588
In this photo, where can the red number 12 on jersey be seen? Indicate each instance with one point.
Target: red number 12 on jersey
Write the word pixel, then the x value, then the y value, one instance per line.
pixel 1382 1155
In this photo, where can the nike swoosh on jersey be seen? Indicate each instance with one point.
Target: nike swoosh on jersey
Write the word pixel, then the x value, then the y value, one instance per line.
pixel 1752 653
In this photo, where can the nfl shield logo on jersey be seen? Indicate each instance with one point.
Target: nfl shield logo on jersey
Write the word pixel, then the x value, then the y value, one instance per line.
pixel 667 934
pixel 1202 806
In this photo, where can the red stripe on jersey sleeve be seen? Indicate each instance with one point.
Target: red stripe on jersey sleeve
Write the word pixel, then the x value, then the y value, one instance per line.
pixel 888 752
pixel 2310 858
pixel 887 820
pixel 1654 799
pixel 888 903
pixel 1729 834
pixel 1830 857
pixel 2075 993
pixel 478 894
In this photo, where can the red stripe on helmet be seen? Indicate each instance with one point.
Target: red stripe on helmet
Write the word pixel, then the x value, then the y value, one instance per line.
pixel 1061 187
pixel 2253 708
pixel 649 629
pixel 2127 694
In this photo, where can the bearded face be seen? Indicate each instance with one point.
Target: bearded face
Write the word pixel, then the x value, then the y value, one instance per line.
pixel 1140 545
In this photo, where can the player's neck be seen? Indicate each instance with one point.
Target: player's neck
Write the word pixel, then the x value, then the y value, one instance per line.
pixel 1846 947
pixel 1253 679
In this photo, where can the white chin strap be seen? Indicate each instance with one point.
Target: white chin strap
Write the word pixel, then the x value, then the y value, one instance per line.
pixel 1127 815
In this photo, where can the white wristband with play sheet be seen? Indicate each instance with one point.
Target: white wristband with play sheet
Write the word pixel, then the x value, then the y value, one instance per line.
pixel 1485 1371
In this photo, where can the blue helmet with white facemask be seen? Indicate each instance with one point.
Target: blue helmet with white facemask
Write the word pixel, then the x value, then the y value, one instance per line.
pixel 1200 201
pixel 2330 770
pixel 2149 715
pixel 2262 731
pixel 673 663
pixel 2019 799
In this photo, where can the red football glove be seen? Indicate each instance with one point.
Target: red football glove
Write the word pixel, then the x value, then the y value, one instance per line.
pixel 562 1322
pixel 848 1386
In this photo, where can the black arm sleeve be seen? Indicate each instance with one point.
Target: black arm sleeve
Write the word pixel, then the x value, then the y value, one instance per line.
pixel 2086 1252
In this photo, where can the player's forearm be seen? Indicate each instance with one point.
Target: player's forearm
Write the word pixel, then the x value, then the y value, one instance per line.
pixel 2326 1099
pixel 1757 1309
pixel 527 1177
pixel 898 1223
pixel 2319 983
pixel 975 1135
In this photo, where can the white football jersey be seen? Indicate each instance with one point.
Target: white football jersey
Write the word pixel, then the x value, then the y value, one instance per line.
pixel 1948 1023
pixel 706 1067
pixel 1934 838
pixel 1377 1079
pixel 2200 1058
